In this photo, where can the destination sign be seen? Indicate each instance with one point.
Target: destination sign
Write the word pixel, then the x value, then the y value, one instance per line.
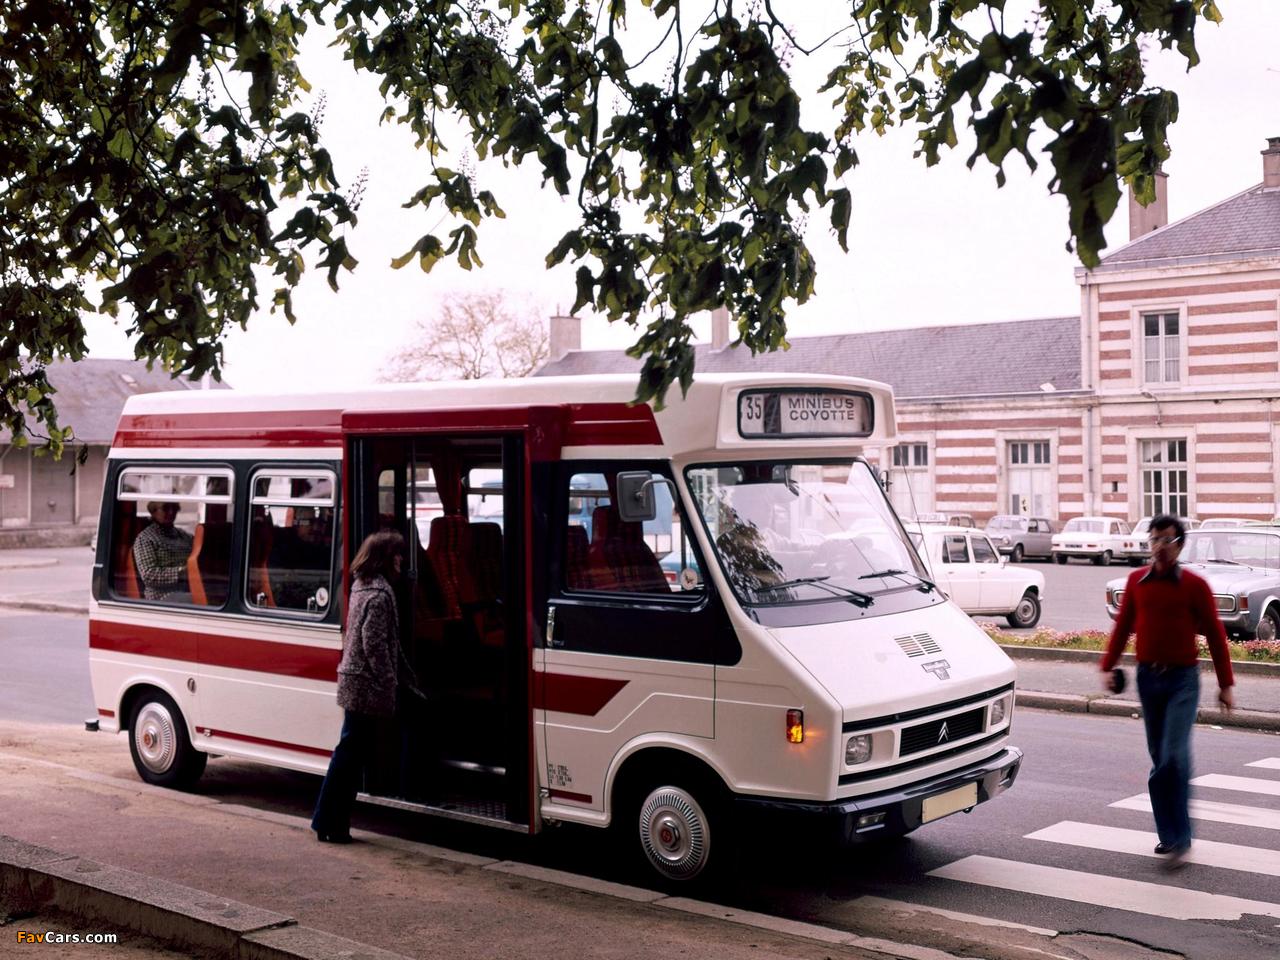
pixel 773 414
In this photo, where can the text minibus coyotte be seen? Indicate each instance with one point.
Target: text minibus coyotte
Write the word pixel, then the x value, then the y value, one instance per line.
pixel 668 621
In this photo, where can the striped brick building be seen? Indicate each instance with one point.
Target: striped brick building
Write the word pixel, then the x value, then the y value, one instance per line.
pixel 1159 397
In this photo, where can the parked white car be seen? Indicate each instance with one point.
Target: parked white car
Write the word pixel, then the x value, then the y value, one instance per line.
pixel 1099 539
pixel 1222 523
pixel 1136 549
pixel 968 569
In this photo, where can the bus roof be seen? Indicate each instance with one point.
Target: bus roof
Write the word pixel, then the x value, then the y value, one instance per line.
pixel 598 413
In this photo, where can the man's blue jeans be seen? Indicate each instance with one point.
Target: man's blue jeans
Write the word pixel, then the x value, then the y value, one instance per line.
pixel 1170 698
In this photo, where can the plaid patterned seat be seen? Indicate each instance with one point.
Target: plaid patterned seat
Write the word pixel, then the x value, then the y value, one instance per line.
pixel 620 556
pixel 452 560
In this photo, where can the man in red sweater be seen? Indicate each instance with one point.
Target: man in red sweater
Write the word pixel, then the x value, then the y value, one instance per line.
pixel 1167 606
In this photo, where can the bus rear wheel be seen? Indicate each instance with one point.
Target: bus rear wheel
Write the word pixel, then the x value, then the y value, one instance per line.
pixel 158 741
pixel 677 830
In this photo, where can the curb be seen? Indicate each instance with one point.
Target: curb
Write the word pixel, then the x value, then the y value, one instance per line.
pixel 1107 707
pixel 32 877
pixel 30 564
pixel 48 606
pixel 1250 667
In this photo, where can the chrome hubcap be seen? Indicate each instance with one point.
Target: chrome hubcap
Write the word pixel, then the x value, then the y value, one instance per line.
pixel 674 833
pixel 1026 610
pixel 1266 628
pixel 155 737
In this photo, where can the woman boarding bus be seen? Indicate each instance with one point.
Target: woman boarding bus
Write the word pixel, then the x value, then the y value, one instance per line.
pixel 680 617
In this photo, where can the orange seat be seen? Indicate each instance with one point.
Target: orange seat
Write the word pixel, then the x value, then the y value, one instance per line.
pixel 125 579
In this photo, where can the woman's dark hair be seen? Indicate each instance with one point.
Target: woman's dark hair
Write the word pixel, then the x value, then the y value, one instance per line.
pixel 376 556
pixel 1166 522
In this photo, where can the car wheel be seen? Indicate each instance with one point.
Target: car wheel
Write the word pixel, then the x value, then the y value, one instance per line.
pixel 678 831
pixel 1060 558
pixel 158 741
pixel 1026 613
pixel 1268 626
pixel 1135 562
pixel 1018 553
pixel 1104 560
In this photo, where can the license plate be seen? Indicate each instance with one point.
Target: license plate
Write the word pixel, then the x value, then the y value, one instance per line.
pixel 943 804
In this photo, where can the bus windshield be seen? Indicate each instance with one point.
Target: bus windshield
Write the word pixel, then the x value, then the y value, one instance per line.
pixel 796 532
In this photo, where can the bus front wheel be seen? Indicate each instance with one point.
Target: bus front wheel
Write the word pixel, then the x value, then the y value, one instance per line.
pixel 677 830
pixel 158 740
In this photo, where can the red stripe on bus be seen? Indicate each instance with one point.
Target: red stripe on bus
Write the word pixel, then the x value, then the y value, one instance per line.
pixel 240 653
pixel 263 741
pixel 566 795
pixel 276 428
pixel 570 693
pixel 603 424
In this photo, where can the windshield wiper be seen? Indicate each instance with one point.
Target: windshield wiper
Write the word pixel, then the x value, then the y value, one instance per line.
pixel 853 596
pixel 1234 563
pixel 924 585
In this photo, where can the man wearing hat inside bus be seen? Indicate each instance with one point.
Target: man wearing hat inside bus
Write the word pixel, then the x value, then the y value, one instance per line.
pixel 160 553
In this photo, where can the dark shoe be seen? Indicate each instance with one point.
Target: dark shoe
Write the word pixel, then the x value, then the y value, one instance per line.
pixel 344 837
pixel 1177 857
pixel 1164 849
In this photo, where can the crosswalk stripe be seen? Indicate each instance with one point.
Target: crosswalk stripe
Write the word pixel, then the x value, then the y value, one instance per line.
pixel 1212 810
pixel 1266 763
pixel 1094 836
pixel 1269 788
pixel 1137 896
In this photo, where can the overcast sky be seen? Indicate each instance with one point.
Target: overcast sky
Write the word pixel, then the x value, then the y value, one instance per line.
pixel 927 246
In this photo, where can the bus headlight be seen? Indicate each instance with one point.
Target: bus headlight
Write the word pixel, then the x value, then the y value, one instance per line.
pixel 857 749
pixel 999 711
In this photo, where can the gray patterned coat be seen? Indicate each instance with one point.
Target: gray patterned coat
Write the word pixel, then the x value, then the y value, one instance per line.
pixel 367 672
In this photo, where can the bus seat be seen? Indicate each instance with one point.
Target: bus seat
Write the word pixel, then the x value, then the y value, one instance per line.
pixel 261 533
pixel 486 542
pixel 208 566
pixel 577 567
pixel 618 547
pixel 195 582
pixel 125 579
pixel 452 561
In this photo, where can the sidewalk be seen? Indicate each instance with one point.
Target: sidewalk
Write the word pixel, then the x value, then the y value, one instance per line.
pixel 204 874
pixel 1068 680
pixel 53 579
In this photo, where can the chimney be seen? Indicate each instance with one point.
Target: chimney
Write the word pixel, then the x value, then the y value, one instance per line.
pixel 1142 220
pixel 719 328
pixel 1271 164
pixel 566 335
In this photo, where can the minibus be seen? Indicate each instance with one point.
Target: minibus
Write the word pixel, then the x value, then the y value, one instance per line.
pixel 682 619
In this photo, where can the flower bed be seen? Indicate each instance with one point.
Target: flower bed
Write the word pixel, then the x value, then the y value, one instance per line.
pixel 1259 650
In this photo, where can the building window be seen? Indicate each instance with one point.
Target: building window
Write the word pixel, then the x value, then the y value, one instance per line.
pixel 1164 477
pixel 911 455
pixel 1161 347
pixel 1024 452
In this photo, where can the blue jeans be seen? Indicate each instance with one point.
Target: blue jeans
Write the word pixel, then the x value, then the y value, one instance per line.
pixel 346 771
pixel 1170 699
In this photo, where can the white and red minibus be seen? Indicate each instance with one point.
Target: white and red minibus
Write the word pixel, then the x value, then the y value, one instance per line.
pixel 670 621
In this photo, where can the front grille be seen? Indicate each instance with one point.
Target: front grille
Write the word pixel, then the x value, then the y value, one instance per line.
pixel 918 645
pixel 926 736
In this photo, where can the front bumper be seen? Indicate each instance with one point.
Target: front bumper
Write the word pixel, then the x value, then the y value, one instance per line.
pixel 902 809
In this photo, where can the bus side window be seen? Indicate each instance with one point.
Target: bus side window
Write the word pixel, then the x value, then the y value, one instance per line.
pixel 290 547
pixel 171 537
pixel 604 553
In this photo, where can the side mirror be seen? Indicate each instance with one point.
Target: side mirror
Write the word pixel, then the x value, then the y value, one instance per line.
pixel 636 501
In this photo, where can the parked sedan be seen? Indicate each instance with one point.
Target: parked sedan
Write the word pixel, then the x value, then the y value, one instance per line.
pixel 1018 537
pixel 1242 565
pixel 1094 538
pixel 1136 549
pixel 970 571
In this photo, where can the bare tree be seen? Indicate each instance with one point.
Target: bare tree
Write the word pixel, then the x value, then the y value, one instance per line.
pixel 471 337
